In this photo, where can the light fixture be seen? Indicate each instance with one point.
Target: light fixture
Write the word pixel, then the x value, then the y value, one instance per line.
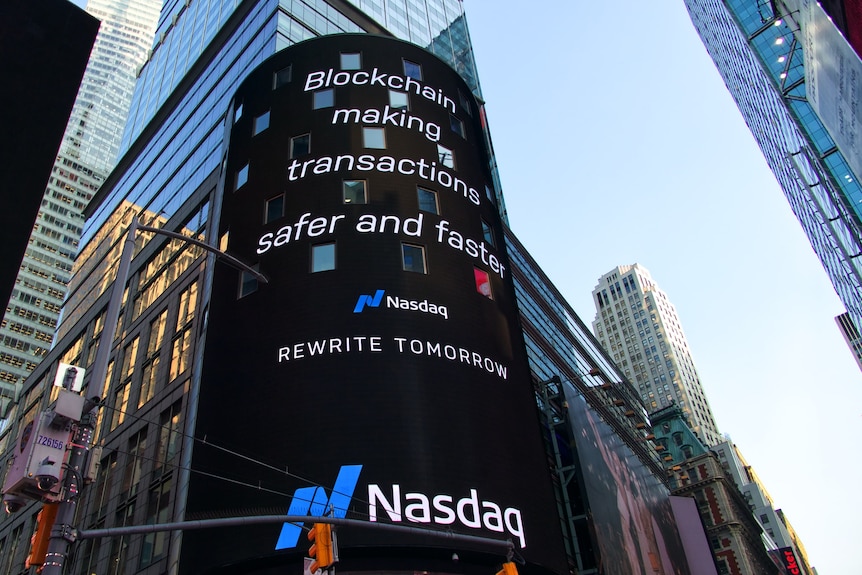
pixel 779 41
pixel 782 58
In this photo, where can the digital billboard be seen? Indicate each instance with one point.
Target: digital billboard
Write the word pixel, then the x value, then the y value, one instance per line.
pixel 381 373
pixel 632 518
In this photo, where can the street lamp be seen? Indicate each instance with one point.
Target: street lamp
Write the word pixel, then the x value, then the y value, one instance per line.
pixel 63 534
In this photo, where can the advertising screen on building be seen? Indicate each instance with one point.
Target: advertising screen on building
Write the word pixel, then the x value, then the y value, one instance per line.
pixel 632 517
pixel 383 361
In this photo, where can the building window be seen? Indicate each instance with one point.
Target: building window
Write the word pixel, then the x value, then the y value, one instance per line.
pixel 322 257
pixel 154 545
pixel 248 283
pixel 169 436
pixel 274 209
pixel 427 200
pixel 413 258
pixel 483 282
pixel 300 145
pixel 237 112
pixel 354 192
pixel 412 70
pixel 398 100
pixel 465 103
pixel 374 138
pixel 323 99
pixel 445 156
pixel 150 370
pixel 282 77
pixel 261 123
pixel 487 233
pixel 351 61
pixel 489 194
pixel 134 463
pixel 241 177
pixel 457 126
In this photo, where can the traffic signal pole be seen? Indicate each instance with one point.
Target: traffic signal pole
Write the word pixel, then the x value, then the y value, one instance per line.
pixel 62 534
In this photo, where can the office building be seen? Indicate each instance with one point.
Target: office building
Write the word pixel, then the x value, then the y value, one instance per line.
pixel 794 78
pixel 391 365
pixel 781 535
pixel 59 36
pixel 639 327
pixel 87 153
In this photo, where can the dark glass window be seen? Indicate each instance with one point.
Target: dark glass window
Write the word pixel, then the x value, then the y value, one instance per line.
pixel 413 258
pixel 300 145
pixel 457 125
pixel 241 177
pixel 412 70
pixel 248 284
pixel 322 257
pixel 427 200
pixel 465 102
pixel 261 123
pixel 487 233
pixel 274 209
pixel 282 77
pixel 324 99
pixel 354 192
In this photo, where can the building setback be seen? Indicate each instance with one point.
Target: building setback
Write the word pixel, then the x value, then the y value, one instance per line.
pixel 780 62
pixel 639 327
pixel 87 153
pixel 394 359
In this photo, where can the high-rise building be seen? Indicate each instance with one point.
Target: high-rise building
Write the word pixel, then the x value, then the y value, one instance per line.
pixel 795 79
pixel 389 369
pixel 639 327
pixel 86 155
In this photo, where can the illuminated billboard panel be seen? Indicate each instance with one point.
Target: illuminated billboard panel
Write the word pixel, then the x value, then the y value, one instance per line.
pixel 632 518
pixel 383 362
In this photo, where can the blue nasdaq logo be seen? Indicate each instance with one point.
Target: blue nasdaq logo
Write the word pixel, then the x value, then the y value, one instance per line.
pixel 367 300
pixel 313 500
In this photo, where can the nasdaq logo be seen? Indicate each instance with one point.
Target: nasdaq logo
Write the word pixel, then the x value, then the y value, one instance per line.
pixel 313 501
pixel 394 302
pixel 367 300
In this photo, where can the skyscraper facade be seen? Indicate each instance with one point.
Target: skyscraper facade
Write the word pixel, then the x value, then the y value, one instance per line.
pixel 794 79
pixel 638 325
pixel 87 153
pixel 392 324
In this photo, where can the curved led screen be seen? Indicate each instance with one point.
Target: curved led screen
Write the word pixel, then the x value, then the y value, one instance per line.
pixel 384 360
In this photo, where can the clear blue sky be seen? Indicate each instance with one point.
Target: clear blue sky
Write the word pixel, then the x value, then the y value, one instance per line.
pixel 618 143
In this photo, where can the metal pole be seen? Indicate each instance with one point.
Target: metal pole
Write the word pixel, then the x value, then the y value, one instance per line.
pixel 62 534
pixel 507 545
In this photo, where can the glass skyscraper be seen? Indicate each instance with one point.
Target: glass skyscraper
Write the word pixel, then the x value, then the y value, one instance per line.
pixel 86 156
pixel 638 325
pixel 771 56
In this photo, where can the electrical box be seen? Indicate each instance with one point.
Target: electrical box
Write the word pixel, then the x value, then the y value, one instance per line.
pixel 39 455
